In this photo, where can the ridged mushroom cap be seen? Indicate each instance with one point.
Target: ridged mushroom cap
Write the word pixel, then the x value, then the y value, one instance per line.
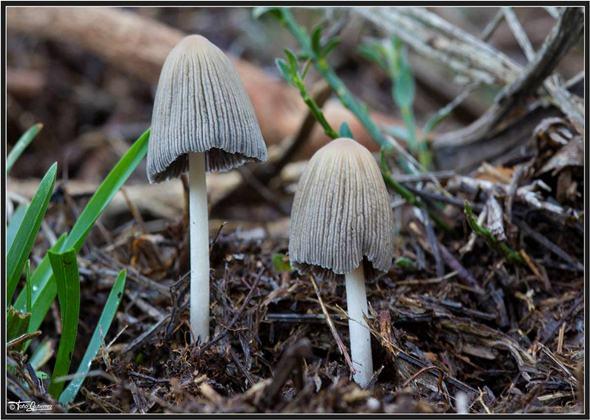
pixel 341 214
pixel 201 106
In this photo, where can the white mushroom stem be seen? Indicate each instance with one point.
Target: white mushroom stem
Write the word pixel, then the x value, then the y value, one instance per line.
pixel 199 247
pixel 360 336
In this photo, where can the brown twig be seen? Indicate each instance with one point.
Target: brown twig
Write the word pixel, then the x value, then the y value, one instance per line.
pixel 290 362
pixel 420 372
pixel 462 272
pixel 337 338
pixel 22 338
pixel 573 308
pixel 553 248
pixel 134 210
pixel 237 315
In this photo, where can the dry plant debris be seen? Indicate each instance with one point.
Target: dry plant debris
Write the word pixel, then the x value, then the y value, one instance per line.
pixel 484 320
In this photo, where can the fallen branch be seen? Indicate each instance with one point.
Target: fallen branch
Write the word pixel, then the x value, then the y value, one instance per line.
pixel 437 39
pixel 562 37
pixel 499 129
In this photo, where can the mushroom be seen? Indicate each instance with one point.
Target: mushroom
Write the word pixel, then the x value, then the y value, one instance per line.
pixel 342 224
pixel 202 121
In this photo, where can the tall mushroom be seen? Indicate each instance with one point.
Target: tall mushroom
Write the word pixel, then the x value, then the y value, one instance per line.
pixel 202 121
pixel 342 223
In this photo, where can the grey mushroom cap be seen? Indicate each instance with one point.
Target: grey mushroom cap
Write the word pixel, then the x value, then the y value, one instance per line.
pixel 201 106
pixel 341 215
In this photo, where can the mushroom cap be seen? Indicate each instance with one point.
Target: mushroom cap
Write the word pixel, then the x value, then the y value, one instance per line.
pixel 341 213
pixel 201 106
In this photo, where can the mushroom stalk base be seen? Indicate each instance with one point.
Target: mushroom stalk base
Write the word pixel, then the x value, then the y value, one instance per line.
pixel 360 335
pixel 199 248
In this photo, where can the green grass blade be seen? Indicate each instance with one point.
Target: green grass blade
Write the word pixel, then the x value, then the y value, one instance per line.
pixel 14 225
pixel 106 191
pixel 37 300
pixel 42 302
pixel 21 145
pixel 65 269
pixel 37 278
pixel 29 295
pixel 44 285
pixel 101 330
pixel 18 321
pixel 28 286
pixel 42 354
pixel 501 246
pixel 27 231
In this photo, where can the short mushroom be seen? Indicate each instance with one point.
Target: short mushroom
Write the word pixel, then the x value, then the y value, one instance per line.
pixel 202 121
pixel 342 224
